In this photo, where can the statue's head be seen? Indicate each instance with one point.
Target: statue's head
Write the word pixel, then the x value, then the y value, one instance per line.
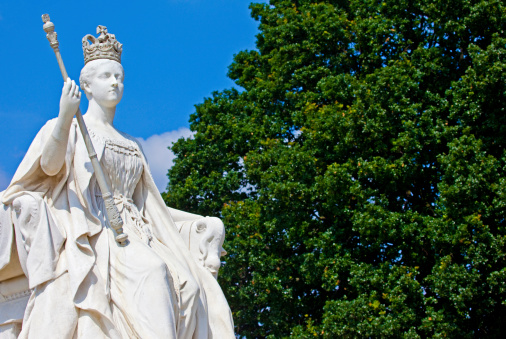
pixel 102 75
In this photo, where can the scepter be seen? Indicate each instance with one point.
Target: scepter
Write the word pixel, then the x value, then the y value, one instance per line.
pixel 111 209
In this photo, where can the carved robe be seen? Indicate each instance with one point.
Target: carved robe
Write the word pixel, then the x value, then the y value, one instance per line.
pixel 73 263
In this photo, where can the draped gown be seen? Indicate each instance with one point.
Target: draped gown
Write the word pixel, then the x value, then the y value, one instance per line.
pixel 85 285
pixel 141 286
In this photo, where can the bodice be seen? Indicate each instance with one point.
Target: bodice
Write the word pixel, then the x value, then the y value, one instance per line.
pixel 121 163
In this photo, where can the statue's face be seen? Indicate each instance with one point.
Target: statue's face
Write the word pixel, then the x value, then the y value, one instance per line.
pixel 106 84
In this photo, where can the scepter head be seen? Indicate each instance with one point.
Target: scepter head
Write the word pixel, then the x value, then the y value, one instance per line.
pixel 49 29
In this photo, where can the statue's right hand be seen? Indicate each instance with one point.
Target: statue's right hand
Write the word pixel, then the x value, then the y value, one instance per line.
pixel 53 154
pixel 70 99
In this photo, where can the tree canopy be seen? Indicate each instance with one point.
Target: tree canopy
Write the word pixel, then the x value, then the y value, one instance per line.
pixel 360 170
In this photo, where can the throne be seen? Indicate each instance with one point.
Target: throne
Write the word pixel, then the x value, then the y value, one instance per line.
pixel 204 238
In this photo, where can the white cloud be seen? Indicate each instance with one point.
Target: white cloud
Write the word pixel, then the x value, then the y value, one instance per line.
pixel 159 157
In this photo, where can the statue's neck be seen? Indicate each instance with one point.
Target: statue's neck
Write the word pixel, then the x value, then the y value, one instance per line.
pixel 100 114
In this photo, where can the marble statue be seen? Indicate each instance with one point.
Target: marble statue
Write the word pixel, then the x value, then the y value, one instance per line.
pixel 63 271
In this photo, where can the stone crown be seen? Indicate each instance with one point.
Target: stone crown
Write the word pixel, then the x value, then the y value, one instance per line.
pixel 105 46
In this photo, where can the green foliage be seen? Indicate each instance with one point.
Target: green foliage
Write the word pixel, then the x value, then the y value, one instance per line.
pixel 360 171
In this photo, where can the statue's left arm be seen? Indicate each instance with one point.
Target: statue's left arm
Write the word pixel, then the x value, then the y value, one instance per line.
pixel 179 215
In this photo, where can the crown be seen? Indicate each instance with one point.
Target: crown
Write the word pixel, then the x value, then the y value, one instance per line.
pixel 104 47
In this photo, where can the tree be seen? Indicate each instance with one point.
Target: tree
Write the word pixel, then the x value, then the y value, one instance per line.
pixel 360 170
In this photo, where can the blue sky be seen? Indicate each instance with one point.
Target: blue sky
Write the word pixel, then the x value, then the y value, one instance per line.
pixel 175 53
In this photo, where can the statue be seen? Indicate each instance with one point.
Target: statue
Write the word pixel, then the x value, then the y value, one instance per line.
pixel 65 269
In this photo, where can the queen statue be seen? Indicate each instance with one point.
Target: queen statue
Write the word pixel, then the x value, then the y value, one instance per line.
pixel 62 272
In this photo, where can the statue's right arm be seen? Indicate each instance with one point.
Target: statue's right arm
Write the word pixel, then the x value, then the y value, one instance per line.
pixel 53 153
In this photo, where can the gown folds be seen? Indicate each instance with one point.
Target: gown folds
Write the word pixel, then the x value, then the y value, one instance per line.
pixel 84 284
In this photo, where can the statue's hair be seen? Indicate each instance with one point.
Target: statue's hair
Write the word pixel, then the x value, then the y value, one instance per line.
pixel 89 71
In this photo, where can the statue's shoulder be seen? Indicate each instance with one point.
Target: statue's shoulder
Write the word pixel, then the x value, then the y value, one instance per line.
pixel 44 132
pixel 49 125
